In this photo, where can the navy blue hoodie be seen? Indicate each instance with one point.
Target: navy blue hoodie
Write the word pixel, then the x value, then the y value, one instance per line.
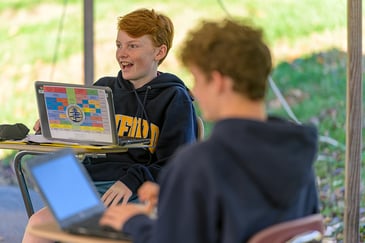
pixel 246 176
pixel 161 110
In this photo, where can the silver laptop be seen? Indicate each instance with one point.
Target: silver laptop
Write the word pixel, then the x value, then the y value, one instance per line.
pixel 68 191
pixel 79 114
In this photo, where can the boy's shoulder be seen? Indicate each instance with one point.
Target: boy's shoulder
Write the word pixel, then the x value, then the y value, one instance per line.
pixel 106 81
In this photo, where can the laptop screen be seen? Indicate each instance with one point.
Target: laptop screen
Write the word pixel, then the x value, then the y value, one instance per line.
pixel 64 184
pixel 76 113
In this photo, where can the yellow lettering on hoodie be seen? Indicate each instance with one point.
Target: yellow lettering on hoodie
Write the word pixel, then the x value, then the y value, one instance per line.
pixel 155 133
pixel 124 124
pixel 136 127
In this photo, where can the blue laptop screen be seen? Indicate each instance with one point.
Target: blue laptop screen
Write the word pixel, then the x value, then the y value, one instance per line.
pixel 65 186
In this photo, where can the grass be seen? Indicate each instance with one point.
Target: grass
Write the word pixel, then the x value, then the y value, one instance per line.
pixel 40 34
pixel 306 38
pixel 291 20
pixel 315 88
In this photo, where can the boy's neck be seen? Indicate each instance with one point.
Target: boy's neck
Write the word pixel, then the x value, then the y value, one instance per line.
pixel 239 107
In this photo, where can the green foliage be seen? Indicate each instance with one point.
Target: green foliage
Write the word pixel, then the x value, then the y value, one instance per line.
pixel 36 38
pixel 315 88
pixel 22 4
pixel 292 20
pixel 32 37
pixel 307 81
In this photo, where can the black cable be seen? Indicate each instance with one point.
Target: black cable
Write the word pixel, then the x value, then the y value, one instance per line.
pixel 221 4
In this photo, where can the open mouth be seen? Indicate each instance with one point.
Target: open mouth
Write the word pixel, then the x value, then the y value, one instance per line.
pixel 125 65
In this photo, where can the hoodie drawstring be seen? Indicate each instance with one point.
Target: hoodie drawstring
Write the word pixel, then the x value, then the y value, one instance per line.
pixel 142 106
pixel 144 116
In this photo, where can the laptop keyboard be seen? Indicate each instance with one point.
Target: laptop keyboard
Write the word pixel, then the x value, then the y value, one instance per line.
pixel 90 223
pixel 91 227
pixel 132 140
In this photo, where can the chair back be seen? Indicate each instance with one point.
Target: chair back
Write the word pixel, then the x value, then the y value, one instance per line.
pixel 305 229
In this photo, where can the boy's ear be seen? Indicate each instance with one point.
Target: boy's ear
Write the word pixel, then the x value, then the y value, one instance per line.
pixel 218 81
pixel 222 82
pixel 161 52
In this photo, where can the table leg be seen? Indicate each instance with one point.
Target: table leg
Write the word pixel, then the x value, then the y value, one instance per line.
pixel 21 179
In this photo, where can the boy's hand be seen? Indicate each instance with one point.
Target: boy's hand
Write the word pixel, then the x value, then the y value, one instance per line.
pixel 116 216
pixel 148 193
pixel 37 127
pixel 115 193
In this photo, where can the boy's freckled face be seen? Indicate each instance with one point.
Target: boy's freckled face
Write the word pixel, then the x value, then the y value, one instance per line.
pixel 136 57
